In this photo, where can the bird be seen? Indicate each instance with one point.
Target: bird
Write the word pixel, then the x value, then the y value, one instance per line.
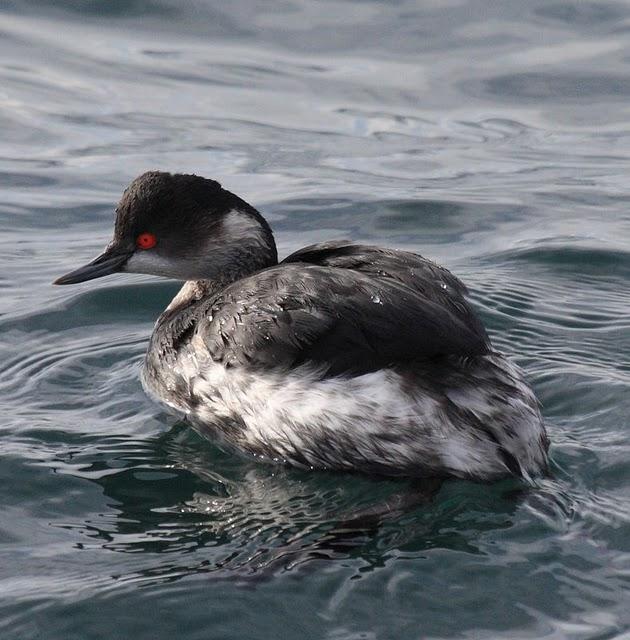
pixel 340 357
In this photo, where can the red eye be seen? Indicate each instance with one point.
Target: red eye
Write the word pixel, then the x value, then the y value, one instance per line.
pixel 146 241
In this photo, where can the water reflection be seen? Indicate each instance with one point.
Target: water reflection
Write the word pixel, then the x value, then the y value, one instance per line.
pixel 214 512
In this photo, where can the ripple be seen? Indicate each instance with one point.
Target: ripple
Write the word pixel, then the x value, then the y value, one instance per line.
pixel 558 86
pixel 245 520
pixel 582 13
pixel 584 260
pixel 475 137
pixel 113 9
pixel 27 180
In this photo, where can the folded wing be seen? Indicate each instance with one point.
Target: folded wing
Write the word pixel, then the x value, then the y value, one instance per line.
pixel 348 309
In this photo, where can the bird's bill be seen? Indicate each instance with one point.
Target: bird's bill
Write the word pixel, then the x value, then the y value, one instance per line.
pixel 110 261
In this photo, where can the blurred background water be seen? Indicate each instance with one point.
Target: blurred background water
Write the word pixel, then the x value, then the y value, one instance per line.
pixel 493 137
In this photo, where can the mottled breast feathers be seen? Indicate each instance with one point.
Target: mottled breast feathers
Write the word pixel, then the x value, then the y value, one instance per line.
pixel 345 308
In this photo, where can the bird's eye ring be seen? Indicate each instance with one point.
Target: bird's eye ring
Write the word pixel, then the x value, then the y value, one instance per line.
pixel 146 241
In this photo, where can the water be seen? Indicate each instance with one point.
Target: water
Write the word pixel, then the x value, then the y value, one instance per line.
pixel 492 137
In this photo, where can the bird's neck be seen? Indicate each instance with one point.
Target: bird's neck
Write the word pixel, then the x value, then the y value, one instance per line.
pixel 241 265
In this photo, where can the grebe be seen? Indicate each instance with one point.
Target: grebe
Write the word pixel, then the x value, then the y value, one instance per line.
pixel 342 356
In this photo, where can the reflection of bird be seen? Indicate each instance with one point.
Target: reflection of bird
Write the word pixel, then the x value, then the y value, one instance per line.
pixel 340 357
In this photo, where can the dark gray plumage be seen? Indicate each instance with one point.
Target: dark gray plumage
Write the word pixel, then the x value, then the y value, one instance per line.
pixel 346 308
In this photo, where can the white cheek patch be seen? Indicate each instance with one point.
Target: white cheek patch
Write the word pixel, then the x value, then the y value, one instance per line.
pixel 241 228
pixel 149 262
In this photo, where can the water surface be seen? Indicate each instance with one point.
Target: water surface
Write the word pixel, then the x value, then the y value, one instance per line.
pixel 491 137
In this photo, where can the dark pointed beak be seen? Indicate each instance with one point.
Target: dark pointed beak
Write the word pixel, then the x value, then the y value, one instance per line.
pixel 111 260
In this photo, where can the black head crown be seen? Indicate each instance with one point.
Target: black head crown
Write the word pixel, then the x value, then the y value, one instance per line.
pixel 185 227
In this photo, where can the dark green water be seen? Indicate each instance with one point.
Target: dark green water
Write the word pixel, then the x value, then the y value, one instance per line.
pixel 493 137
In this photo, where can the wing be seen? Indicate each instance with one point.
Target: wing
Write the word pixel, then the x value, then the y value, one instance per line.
pixel 344 319
pixel 426 278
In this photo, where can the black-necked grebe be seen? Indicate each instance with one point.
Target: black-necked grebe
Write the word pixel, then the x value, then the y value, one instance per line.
pixel 342 356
